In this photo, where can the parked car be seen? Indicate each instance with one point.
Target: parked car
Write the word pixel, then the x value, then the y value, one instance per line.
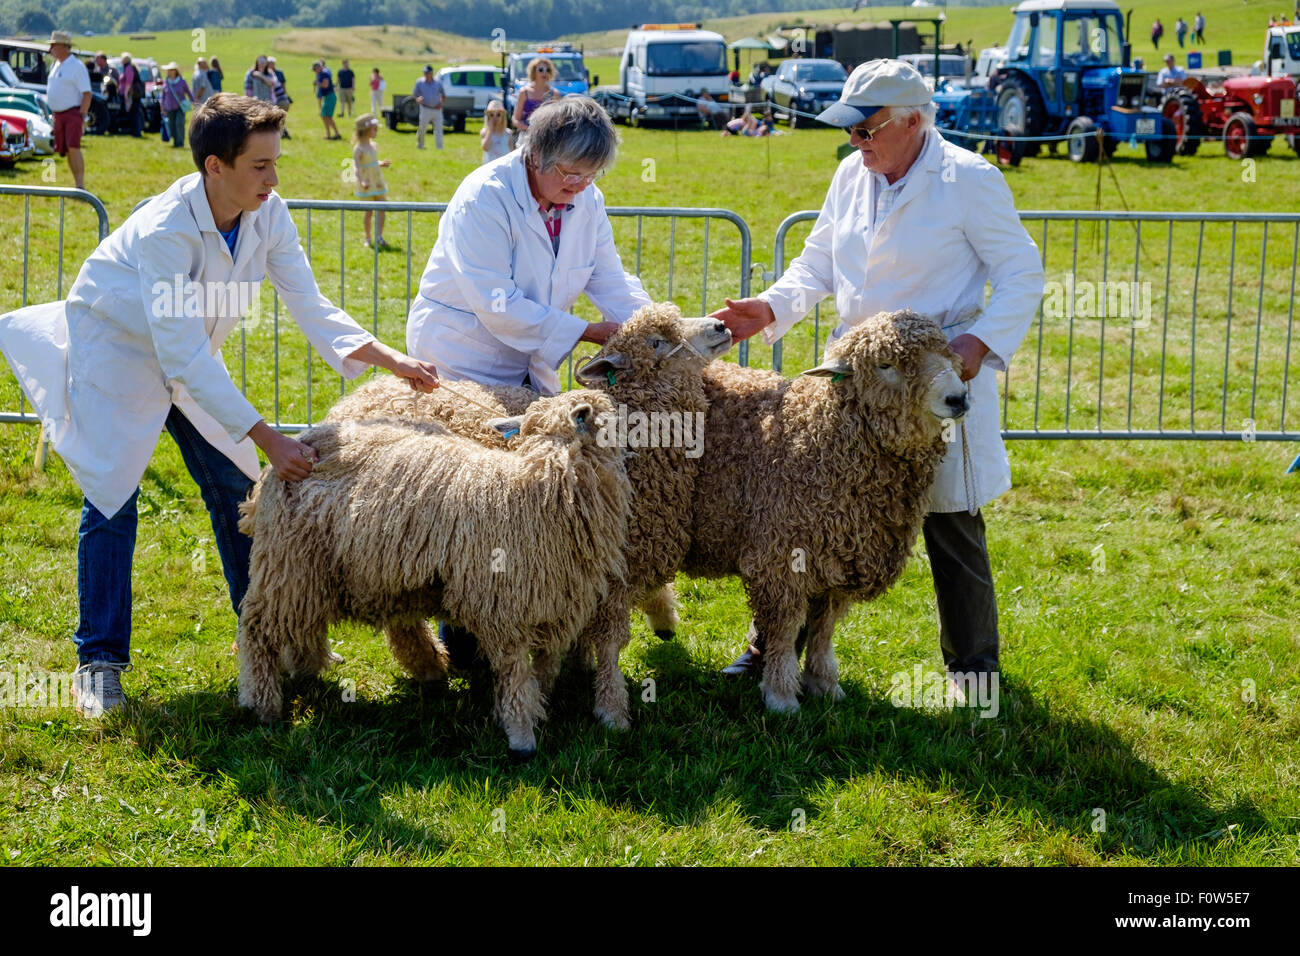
pixel 406 110
pixel 22 65
pixel 15 141
pixel 39 131
pixel 476 80
pixel 808 86
pixel 150 105
pixel 954 68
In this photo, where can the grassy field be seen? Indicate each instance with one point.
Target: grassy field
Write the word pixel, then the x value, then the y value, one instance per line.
pixel 1150 666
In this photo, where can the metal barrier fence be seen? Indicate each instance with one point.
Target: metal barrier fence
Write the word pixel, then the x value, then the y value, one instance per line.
pixel 1153 325
pixel 1142 332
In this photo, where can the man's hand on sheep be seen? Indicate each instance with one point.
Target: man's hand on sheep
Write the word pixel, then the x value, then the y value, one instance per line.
pixel 292 460
pixel 971 351
pixel 745 317
pixel 421 376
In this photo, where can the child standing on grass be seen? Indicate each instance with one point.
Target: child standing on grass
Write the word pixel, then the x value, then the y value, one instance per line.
pixel 368 167
pixel 494 137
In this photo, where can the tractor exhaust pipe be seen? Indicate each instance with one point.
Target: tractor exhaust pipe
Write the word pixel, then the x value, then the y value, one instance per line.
pixel 1126 48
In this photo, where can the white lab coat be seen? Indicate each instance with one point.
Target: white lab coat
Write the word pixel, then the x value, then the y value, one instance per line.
pixel 495 297
pixel 952 228
pixel 102 370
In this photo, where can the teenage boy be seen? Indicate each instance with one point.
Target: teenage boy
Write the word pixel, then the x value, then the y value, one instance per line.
pixel 127 355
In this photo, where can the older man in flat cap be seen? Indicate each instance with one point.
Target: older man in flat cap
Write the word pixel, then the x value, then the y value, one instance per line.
pixel 913 221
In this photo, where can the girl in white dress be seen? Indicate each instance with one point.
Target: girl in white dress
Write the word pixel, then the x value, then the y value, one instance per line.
pixel 494 137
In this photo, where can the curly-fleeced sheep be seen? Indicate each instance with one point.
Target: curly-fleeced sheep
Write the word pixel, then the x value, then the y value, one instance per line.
pixel 402 521
pixel 651 369
pixel 813 490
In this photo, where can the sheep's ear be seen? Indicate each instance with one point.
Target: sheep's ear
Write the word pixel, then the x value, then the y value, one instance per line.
pixel 831 367
pixel 581 415
pixel 601 369
pixel 508 427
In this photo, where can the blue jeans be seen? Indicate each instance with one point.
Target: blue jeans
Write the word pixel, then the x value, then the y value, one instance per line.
pixel 105 547
pixel 176 127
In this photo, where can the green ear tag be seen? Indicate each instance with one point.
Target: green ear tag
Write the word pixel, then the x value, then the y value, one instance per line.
pixel 837 377
pixel 609 376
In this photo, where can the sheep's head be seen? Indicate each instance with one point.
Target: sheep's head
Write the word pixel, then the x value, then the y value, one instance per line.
pixel 571 418
pixel 656 342
pixel 898 367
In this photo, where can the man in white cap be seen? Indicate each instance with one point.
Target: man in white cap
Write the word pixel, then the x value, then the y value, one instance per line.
pixel 913 221
pixel 68 94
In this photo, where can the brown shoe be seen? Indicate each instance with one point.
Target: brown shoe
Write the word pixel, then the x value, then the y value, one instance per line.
pixel 748 664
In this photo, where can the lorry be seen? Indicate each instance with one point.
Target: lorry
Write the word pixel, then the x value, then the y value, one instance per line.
pixel 1067 75
pixel 663 70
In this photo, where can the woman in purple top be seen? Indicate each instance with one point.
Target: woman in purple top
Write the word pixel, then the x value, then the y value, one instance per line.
pixel 537 91
pixel 176 93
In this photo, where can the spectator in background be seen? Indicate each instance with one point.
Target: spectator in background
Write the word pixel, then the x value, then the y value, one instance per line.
pixel 369 173
pixel 177 100
pixel 1172 75
pixel 377 87
pixel 215 75
pixel 1198 28
pixel 1180 30
pixel 541 71
pixel 279 94
pixel 259 82
pixel 712 113
pixel 494 138
pixel 327 98
pixel 429 94
pixel 1157 31
pixel 347 88
pixel 131 86
pixel 108 77
pixel 68 93
pixel 200 85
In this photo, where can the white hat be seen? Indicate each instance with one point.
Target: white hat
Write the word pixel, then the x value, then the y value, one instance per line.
pixel 61 36
pixel 873 85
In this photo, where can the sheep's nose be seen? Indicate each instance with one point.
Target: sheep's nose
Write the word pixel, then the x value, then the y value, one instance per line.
pixel 719 327
pixel 958 402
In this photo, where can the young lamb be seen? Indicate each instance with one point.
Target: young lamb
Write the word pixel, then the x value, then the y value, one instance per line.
pixel 813 490
pixel 402 521
pixel 651 369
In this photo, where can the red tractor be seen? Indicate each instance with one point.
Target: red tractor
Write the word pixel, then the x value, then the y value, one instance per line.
pixel 1246 112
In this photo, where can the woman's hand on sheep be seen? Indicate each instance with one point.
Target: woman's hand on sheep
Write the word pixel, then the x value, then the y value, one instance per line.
pixel 598 332
pixel 971 351
pixel 291 459
pixel 745 317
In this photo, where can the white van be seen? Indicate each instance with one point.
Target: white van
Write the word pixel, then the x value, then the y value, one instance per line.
pixel 663 70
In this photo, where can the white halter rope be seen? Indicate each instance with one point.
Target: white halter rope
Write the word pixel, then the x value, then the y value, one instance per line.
pixel 968 474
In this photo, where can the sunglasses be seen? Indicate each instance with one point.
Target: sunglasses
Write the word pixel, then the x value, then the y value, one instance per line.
pixel 542 69
pixel 865 133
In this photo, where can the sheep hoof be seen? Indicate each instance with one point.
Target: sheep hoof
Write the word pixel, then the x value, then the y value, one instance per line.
pixel 522 756
pixel 815 687
pixel 613 721
pixel 781 705
pixel 665 635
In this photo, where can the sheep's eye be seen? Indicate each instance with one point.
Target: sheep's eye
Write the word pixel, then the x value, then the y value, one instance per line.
pixel 657 343
pixel 884 366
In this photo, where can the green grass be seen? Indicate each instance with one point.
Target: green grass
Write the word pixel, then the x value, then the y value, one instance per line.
pixel 1159 686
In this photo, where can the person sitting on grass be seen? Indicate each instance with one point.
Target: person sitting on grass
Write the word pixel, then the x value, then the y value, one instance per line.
pixel 370 179
pixel 135 349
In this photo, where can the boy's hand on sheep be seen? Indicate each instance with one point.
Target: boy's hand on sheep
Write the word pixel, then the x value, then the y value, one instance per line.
pixel 745 317
pixel 971 351
pixel 291 459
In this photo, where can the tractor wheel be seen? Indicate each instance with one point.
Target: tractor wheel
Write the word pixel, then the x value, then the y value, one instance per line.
pixel 1183 109
pixel 1020 108
pixel 1081 140
pixel 1008 151
pixel 1160 149
pixel 1238 135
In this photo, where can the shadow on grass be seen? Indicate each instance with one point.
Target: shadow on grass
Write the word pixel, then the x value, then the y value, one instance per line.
pixel 699 741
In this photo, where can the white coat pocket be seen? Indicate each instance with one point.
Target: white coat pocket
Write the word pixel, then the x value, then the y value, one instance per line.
pixel 575 281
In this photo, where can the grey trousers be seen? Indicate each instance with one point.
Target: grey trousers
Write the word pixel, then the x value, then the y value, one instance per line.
pixel 963 591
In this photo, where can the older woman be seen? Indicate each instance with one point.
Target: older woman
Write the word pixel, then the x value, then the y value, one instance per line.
pixel 259 82
pixel 177 100
pixel 522 238
pixel 538 90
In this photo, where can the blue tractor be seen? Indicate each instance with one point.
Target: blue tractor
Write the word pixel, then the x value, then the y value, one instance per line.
pixel 1067 75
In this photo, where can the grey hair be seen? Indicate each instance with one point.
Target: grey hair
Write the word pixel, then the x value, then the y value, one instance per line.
pixel 924 113
pixel 574 131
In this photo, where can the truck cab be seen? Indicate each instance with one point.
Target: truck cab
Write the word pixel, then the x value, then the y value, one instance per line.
pixel 1282 51
pixel 663 69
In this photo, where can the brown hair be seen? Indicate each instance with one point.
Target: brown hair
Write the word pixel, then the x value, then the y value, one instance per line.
pixel 222 125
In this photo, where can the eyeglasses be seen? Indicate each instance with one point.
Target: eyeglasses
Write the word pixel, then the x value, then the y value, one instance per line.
pixel 865 133
pixel 575 179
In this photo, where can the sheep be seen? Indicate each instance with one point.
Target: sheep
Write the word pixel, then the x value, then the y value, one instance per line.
pixel 401 521
pixel 813 490
pixel 651 366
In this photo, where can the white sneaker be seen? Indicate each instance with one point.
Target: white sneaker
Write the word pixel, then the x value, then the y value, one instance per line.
pixel 97 688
